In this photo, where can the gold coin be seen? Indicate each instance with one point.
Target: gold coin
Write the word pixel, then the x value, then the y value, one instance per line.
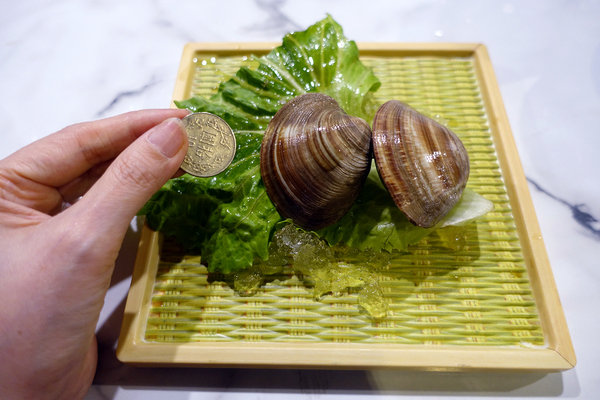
pixel 211 144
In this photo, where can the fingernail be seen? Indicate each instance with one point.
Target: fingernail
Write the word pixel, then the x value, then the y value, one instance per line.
pixel 167 137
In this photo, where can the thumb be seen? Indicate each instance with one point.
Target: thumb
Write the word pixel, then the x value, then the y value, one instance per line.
pixel 134 176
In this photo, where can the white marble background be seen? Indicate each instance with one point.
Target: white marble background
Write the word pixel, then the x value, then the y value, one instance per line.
pixel 66 61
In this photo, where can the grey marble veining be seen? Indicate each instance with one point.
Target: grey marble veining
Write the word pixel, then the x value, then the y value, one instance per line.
pixel 65 61
pixel 276 21
pixel 125 94
pixel 580 211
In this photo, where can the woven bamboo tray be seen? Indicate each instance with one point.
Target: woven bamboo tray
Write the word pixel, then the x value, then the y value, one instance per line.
pixel 492 304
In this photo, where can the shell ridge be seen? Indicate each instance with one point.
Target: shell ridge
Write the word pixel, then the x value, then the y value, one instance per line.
pixel 422 163
pixel 424 145
pixel 316 181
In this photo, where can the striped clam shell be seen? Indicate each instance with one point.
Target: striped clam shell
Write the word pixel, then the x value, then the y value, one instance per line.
pixel 314 160
pixel 422 163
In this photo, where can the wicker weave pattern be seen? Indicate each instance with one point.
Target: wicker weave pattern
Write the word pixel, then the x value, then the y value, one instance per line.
pixel 479 295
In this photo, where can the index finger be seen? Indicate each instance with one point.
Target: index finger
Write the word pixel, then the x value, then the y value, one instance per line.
pixel 57 159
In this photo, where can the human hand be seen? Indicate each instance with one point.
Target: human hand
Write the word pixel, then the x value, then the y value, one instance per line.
pixel 55 264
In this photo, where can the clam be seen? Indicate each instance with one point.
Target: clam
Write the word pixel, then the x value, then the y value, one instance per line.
pixel 422 163
pixel 314 160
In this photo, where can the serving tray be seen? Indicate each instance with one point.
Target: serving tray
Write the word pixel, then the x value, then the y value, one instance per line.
pixel 488 303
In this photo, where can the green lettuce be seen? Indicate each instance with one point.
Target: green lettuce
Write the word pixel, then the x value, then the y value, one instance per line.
pixel 375 222
pixel 319 59
pixel 229 218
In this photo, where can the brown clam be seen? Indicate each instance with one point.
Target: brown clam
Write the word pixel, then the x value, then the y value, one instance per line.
pixel 422 163
pixel 314 160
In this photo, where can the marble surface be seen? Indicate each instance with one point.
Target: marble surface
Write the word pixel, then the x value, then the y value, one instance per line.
pixel 66 61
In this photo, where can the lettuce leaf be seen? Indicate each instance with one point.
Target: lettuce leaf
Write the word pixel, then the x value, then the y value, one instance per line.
pixel 319 59
pixel 375 222
pixel 229 218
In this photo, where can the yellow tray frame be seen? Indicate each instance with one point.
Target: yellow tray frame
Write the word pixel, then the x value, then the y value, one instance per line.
pixel 557 354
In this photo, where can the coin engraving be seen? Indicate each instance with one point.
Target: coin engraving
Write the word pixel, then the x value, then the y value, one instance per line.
pixel 211 144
